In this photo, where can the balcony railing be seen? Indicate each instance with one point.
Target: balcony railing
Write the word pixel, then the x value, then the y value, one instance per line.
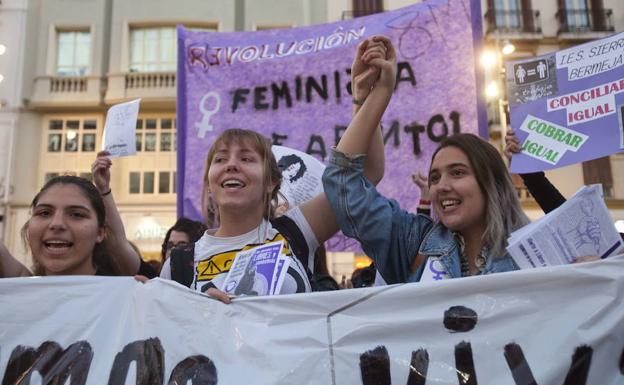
pixel 150 80
pixel 66 91
pixel 513 21
pixel 68 84
pixel 584 20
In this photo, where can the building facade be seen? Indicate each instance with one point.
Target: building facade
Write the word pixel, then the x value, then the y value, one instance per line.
pixel 68 61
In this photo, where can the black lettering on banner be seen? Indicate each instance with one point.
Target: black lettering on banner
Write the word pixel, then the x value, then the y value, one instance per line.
pixel 518 366
pixel 434 121
pixel 464 364
pixel 240 96
pixel 338 131
pixel 579 368
pixel 150 363
pixel 409 77
pixel 200 370
pixel 415 129
pixel 278 139
pixel 298 88
pixel 321 89
pixel 460 319
pixel 337 85
pixel 281 92
pixel 259 98
pixel 349 88
pixel 418 367
pixel 321 151
pixel 53 364
pixel 393 131
pixel 375 366
pixel 454 116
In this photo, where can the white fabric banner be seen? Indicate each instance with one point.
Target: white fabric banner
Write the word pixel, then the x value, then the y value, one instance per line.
pixel 555 325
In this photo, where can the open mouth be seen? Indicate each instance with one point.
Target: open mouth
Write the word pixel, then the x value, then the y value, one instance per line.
pixel 232 183
pixel 449 203
pixel 57 246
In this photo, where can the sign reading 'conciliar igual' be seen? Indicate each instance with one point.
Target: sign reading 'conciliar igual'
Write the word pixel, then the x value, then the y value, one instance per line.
pixel 568 106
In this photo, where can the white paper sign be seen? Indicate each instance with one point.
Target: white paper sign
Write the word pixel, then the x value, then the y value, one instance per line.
pixel 551 326
pixel 120 129
pixel 301 174
pixel 580 227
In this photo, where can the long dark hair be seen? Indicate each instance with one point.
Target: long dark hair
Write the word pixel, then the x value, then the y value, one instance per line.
pixel 503 212
pixel 290 159
pixel 100 257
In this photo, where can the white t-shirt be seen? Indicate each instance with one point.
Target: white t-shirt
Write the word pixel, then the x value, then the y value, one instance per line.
pixel 214 255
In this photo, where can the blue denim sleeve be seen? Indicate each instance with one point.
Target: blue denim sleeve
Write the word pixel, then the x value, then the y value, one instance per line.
pixel 389 235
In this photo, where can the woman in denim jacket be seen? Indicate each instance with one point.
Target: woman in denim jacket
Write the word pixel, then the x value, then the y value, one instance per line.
pixel 471 192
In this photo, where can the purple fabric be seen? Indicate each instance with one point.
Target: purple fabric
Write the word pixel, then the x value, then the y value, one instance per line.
pixel 436 92
pixel 577 91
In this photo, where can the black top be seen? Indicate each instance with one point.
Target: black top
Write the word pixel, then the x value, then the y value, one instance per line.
pixel 144 269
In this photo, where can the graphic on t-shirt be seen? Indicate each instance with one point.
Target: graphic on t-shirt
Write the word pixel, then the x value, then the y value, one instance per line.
pixel 209 268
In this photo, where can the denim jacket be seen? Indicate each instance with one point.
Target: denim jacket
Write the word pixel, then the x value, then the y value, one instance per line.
pixel 391 236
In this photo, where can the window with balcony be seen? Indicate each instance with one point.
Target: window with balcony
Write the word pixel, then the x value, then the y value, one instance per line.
pixel 155 134
pixel 73 51
pixel 71 135
pixel 512 16
pixel 153 49
pixel 582 16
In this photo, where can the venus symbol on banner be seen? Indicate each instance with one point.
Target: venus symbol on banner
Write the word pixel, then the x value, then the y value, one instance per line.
pixel 205 125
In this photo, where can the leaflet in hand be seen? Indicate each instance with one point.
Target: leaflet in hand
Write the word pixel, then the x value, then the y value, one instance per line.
pixel 120 129
pixel 258 271
pixel 580 227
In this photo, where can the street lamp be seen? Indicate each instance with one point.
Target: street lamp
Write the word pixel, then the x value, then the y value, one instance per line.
pixel 492 62
pixel 508 48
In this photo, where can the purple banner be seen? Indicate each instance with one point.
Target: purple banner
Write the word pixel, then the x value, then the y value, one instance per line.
pixel 293 86
pixel 568 106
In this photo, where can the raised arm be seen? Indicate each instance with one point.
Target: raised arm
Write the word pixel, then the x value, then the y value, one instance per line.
pixel 361 132
pixel 363 78
pixel 11 267
pixel 546 195
pixel 373 77
pixel 124 255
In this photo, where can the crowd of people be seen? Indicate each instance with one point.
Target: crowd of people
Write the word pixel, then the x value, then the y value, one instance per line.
pixel 75 227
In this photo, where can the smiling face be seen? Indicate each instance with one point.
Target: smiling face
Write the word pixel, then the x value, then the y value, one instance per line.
pixel 236 179
pixel 63 231
pixel 456 196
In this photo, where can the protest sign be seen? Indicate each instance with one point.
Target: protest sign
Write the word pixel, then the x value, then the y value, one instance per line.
pixel 120 129
pixel 301 175
pixel 580 227
pixel 256 271
pixel 551 326
pixel 568 106
pixel 293 86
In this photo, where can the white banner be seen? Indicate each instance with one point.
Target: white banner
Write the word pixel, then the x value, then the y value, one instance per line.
pixel 555 325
